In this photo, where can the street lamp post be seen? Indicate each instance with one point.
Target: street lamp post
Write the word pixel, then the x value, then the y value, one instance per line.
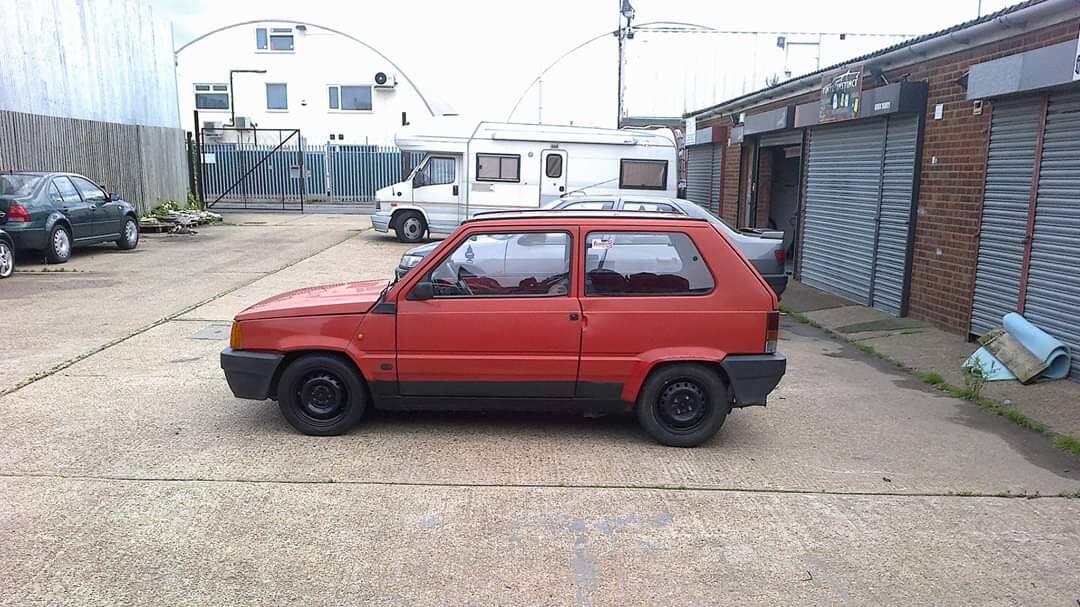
pixel 626 11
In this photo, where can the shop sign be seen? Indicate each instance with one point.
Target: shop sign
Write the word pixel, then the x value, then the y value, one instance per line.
pixel 840 94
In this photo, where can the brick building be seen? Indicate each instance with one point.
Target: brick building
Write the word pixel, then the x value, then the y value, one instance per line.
pixel 938 178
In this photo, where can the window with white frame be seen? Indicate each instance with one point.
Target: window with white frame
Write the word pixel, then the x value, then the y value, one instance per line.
pixel 277 96
pixel 350 97
pixel 274 39
pixel 211 96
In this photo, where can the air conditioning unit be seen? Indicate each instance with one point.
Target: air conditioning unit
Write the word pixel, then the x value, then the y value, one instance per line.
pixel 212 129
pixel 385 80
pixel 243 122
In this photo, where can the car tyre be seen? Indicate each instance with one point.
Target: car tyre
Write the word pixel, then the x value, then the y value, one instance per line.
pixel 683 405
pixel 129 236
pixel 7 260
pixel 321 395
pixel 58 249
pixel 410 227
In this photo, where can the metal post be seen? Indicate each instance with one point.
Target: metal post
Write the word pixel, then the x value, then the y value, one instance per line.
pixel 621 34
pixel 303 177
pixel 199 158
pixel 540 101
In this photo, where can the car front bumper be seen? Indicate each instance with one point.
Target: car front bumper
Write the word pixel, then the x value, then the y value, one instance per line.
pixel 753 376
pixel 249 373
pixel 381 223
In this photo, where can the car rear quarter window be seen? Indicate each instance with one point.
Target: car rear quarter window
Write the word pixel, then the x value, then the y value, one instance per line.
pixel 528 264
pixel 643 264
pixel 62 187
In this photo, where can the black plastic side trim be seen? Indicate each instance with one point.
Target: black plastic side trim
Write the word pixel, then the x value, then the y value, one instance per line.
pixel 753 376
pixel 445 403
pixel 386 307
pixel 249 373
pixel 599 391
pixel 500 389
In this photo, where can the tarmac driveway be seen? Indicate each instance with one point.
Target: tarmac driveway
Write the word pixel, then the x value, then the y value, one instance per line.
pixel 130 475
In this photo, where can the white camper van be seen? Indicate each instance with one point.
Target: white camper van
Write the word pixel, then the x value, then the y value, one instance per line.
pixel 471 167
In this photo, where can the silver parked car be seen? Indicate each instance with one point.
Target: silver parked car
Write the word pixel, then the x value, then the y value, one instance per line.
pixel 763 249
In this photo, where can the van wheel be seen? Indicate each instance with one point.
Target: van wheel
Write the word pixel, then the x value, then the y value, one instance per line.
pixel 410 227
pixel 683 405
pixel 321 395
pixel 58 249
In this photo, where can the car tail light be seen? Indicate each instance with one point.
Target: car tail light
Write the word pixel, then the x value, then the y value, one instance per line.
pixel 781 255
pixel 236 337
pixel 772 331
pixel 17 212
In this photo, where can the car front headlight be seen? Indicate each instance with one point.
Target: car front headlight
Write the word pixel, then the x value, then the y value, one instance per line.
pixel 410 261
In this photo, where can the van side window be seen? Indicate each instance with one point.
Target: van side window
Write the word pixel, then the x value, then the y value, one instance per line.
pixel 526 264
pixel 642 174
pixel 498 167
pixel 644 263
pixel 436 171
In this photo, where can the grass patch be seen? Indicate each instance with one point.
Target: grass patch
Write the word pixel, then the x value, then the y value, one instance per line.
pixel 1070 444
pixel 933 378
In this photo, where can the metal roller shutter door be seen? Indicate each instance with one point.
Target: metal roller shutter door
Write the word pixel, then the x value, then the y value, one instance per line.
pixel 717 169
pixel 699 174
pixel 1014 131
pixel 894 225
pixel 1053 290
pixel 843 182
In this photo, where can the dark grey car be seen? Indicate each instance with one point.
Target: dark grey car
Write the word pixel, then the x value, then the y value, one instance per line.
pixel 764 250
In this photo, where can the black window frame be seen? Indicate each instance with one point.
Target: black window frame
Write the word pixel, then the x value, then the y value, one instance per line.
pixel 587 240
pixel 500 179
pixel 622 174
pixel 569 272
pixel 547 166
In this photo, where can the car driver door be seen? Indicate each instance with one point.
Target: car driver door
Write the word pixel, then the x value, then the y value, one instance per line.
pixel 436 190
pixel 496 317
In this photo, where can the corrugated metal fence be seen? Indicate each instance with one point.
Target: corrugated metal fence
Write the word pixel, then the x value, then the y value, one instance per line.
pixel 339 173
pixel 144 164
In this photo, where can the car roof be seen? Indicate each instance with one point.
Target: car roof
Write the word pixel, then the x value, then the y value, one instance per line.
pixel 34 173
pixel 562 215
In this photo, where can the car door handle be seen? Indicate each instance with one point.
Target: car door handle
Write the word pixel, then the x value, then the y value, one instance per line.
pixel 574 316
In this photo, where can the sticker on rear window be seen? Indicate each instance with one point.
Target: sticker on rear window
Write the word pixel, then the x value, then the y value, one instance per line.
pixel 599 243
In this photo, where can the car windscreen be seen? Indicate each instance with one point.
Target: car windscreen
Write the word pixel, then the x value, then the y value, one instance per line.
pixel 18 184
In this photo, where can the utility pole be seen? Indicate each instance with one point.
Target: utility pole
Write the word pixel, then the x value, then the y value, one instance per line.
pixel 624 33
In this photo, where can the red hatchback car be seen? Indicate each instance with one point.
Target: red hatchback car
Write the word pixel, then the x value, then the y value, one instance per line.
pixel 589 311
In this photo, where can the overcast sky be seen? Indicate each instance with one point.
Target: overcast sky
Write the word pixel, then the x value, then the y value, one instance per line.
pixel 480 56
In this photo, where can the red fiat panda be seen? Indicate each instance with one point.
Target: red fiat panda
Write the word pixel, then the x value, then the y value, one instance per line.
pixel 590 311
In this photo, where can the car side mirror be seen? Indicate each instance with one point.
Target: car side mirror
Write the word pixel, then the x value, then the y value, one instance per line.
pixel 423 290
pixel 113 197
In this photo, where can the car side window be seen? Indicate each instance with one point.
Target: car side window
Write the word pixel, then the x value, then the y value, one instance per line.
pixel 89 191
pixel 644 263
pixel 589 205
pixel 63 188
pixel 528 264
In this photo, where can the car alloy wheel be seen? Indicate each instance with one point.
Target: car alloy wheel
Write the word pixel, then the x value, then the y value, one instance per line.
pixel 131 233
pixel 682 405
pixel 61 243
pixel 322 395
pixel 7 260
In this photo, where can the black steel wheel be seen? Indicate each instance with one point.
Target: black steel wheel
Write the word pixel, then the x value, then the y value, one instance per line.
pixel 683 405
pixel 321 394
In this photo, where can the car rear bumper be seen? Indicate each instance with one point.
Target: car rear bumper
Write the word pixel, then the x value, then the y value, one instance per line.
pixel 778 282
pixel 249 373
pixel 754 376
pixel 26 236
pixel 381 223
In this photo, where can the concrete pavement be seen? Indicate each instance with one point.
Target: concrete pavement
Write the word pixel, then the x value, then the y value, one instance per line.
pixel 132 476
